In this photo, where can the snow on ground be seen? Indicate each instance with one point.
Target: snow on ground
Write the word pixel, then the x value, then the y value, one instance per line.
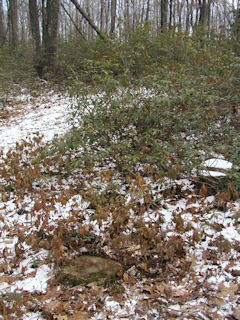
pixel 211 289
pixel 47 114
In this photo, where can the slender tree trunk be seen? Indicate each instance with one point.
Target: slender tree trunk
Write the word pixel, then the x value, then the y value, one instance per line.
pixel 127 16
pixel 50 40
pixel 164 14
pixel 113 15
pixel 102 10
pixel 44 20
pixel 236 25
pixel 191 15
pixel 179 12
pixel 170 13
pixel 13 22
pixel 106 15
pixel 147 10
pixel 89 20
pixel 209 17
pixel 34 24
pixel 203 13
pixel 187 18
pixel 2 28
pixel 133 16
pixel 73 22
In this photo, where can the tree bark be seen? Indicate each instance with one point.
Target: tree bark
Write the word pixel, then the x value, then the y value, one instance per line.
pixel 164 14
pixel 2 28
pixel 50 40
pixel 102 10
pixel 203 13
pixel 187 18
pixel 236 25
pixel 113 15
pixel 89 20
pixel 147 10
pixel 35 30
pixel 170 13
pixel 127 17
pixel 13 22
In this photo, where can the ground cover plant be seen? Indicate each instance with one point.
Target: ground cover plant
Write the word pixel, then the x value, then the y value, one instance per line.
pixel 125 183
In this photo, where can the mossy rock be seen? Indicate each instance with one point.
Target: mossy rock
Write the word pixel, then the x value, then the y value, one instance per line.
pixel 87 269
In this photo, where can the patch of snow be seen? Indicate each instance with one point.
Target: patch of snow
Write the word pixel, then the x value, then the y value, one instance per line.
pixel 212 173
pixel 37 283
pixel 218 164
pixel 48 116
pixel 33 316
pixel 231 234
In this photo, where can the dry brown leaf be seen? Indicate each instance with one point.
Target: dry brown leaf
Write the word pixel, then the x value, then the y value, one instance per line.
pixel 62 248
pixel 44 244
pixel 52 293
pixel 203 190
pixel 143 266
pixel 160 288
pixel 51 307
pixel 59 317
pixel 80 316
pixel 217 301
pixel 147 289
pixel 223 291
pixel 236 314
pixel 180 293
pixel 125 277
pixel 233 288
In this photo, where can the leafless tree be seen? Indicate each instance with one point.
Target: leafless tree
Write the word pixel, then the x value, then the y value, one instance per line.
pixel 2 26
pixel 164 14
pixel 13 22
pixel 113 15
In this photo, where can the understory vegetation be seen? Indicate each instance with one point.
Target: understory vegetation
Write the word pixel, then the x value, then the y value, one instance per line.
pixel 146 114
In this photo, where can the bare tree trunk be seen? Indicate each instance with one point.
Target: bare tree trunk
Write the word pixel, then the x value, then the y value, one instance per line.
pixel 107 15
pixel 203 13
pixel 127 16
pixel 44 19
pixel 2 28
pixel 148 10
pixel 179 12
pixel 34 24
pixel 13 22
pixel 164 14
pixel 191 15
pixel 113 15
pixel 102 10
pixel 236 25
pixel 133 15
pixel 73 22
pixel 89 20
pixel 187 18
pixel 209 17
pixel 170 13
pixel 50 40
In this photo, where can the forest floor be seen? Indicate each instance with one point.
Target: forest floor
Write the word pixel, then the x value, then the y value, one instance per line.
pixel 179 248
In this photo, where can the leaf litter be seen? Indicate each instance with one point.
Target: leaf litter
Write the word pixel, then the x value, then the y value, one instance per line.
pixel 179 253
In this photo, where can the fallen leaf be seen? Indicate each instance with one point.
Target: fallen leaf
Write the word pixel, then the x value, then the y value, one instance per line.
pixel 236 314
pixel 50 307
pixel 59 317
pixel 80 316
pixel 143 266
pixel 180 293
pixel 147 289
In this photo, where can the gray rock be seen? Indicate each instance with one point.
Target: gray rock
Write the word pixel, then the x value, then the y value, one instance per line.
pixel 88 269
